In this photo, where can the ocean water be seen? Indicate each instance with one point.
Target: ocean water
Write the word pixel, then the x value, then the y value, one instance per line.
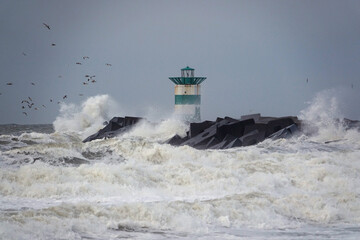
pixel 53 186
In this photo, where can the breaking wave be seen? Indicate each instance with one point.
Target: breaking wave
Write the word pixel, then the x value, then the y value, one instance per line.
pixel 87 118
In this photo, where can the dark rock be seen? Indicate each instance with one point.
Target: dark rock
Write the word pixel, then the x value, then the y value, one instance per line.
pixel 253 137
pixel 235 143
pixel 203 138
pixel 196 128
pixel 235 128
pixel 213 141
pixel 131 120
pixel 278 124
pixel 176 140
pixel 226 141
pixel 285 132
pixel 116 126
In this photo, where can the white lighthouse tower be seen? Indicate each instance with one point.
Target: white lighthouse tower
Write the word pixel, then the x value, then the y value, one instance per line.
pixel 187 95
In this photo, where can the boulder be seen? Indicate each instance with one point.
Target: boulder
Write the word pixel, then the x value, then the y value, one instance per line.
pixel 116 126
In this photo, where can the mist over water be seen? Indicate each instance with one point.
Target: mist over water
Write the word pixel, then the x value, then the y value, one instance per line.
pixel 53 186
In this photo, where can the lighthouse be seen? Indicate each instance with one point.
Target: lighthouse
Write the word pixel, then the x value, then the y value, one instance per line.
pixel 187 95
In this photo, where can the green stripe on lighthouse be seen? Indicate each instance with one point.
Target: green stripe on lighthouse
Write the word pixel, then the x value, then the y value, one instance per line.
pixel 187 99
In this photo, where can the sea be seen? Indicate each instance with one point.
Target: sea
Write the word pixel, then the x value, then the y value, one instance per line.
pixel 135 186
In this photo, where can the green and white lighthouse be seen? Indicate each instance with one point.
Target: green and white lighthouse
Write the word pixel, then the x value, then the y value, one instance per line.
pixel 187 95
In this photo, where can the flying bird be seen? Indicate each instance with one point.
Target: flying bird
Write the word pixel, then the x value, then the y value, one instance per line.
pixel 24 113
pixel 352 85
pixel 93 80
pixel 53 44
pixel 59 76
pixel 65 96
pixel 307 80
pixel 35 108
pixel 87 75
pixel 44 106
pixel 9 83
pixel 85 83
pixel 80 94
pixel 32 83
pixel 51 100
pixel 85 57
pixel 23 53
pixel 30 99
pixel 47 26
pixel 108 64
pixel 78 63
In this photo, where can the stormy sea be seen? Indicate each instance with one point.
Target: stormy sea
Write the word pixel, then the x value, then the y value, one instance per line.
pixel 54 186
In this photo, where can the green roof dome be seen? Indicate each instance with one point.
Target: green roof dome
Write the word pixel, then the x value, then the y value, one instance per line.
pixel 187 68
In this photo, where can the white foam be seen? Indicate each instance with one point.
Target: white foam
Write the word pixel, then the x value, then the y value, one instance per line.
pixel 87 118
pixel 323 117
pixel 159 131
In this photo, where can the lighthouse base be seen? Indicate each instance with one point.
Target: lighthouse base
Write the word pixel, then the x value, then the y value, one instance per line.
pixel 188 113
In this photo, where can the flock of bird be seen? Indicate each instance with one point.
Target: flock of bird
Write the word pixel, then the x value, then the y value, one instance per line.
pixel 28 103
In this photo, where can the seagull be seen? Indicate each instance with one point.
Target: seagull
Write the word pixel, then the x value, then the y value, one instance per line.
pixel 87 75
pixel 80 94
pixel 32 83
pixel 65 96
pixel 51 100
pixel 78 63
pixel 23 107
pixel 108 64
pixel 24 113
pixel 44 106
pixel 307 80
pixel 352 85
pixel 93 80
pixel 53 44
pixel 9 84
pixel 30 99
pixel 47 26
pixel 35 108
pixel 25 101
pixel 23 53
pixel 85 83
pixel 59 76
pixel 85 57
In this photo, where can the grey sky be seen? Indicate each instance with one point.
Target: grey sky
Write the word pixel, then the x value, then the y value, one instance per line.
pixel 256 55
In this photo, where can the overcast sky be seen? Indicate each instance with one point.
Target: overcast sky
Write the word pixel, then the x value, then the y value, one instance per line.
pixel 256 55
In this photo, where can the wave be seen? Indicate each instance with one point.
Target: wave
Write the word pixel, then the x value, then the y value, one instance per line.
pixel 87 118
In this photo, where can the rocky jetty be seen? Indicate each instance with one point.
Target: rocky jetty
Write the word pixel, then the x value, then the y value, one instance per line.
pixel 228 132
pixel 223 133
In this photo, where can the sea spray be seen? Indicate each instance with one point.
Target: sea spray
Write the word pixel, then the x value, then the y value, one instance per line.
pixel 88 118
pixel 323 118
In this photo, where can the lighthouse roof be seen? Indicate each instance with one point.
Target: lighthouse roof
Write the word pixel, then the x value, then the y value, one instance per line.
pixel 187 68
